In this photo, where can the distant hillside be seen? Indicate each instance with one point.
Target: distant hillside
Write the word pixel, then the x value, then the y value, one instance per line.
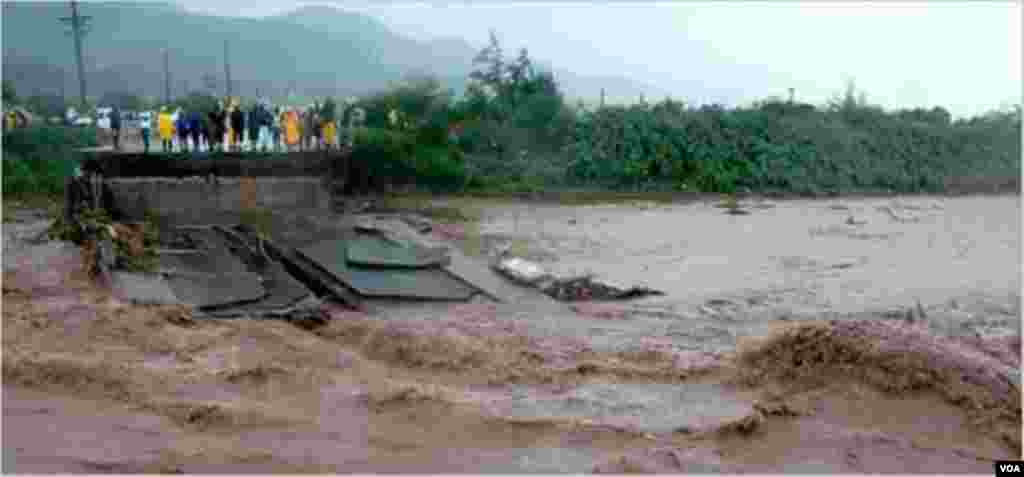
pixel 313 50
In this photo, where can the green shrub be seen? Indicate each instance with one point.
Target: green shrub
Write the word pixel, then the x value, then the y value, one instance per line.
pixel 440 169
pixel 388 153
pixel 775 146
pixel 398 157
pixel 38 158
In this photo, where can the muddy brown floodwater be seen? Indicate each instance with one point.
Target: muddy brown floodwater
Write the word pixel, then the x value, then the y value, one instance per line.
pixel 848 335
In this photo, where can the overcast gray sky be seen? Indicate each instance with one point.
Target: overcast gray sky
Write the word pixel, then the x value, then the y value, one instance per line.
pixel 962 55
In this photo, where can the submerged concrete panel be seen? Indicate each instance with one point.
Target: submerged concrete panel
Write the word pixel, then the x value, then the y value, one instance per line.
pixel 143 289
pixel 375 251
pixel 221 290
pixel 212 276
pixel 425 284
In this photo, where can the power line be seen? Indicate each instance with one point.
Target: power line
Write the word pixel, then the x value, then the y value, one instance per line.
pixel 167 76
pixel 79 27
pixel 227 68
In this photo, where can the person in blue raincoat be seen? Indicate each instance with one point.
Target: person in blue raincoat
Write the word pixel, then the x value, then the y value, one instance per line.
pixel 195 128
pixel 183 131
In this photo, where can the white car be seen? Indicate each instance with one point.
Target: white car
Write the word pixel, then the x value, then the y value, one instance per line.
pixel 84 121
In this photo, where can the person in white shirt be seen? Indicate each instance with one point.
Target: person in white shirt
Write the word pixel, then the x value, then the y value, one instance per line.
pixel 145 127
pixel 175 142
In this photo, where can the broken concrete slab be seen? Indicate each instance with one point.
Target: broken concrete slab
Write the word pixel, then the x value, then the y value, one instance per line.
pixel 282 288
pixel 315 277
pixel 217 291
pixel 427 283
pixel 372 250
pixel 213 276
pixel 215 256
pixel 143 289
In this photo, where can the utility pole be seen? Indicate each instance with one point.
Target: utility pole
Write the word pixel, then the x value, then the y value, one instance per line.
pixel 602 97
pixel 227 68
pixel 167 76
pixel 79 27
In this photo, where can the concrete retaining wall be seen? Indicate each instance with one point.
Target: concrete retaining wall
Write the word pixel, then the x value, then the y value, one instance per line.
pixel 294 164
pixel 194 199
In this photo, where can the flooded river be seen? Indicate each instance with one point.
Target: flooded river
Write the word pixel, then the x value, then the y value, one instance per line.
pixel 797 253
pixel 824 336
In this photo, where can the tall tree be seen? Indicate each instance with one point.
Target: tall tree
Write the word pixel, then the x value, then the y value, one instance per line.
pixel 520 72
pixel 491 71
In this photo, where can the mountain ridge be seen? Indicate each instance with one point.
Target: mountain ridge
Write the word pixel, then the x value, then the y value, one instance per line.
pixel 317 50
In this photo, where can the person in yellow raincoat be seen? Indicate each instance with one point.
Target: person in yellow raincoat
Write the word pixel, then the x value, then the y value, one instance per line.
pixel 165 126
pixel 227 127
pixel 328 129
pixel 231 104
pixel 330 134
pixel 10 121
pixel 292 133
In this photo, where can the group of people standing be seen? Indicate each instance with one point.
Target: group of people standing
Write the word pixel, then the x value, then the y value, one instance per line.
pixel 262 127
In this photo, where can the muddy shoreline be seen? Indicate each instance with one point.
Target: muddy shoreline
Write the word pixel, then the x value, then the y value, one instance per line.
pixel 762 323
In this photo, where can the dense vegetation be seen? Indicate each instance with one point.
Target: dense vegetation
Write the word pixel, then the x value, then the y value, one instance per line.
pixel 37 159
pixel 788 147
pixel 518 134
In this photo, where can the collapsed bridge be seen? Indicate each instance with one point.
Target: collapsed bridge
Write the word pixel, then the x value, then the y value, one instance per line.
pixel 259 234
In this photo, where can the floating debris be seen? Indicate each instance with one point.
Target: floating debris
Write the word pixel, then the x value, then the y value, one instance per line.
pixel 856 220
pixel 525 272
pixel 846 263
pixel 587 288
pixel 901 217
pixel 521 271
